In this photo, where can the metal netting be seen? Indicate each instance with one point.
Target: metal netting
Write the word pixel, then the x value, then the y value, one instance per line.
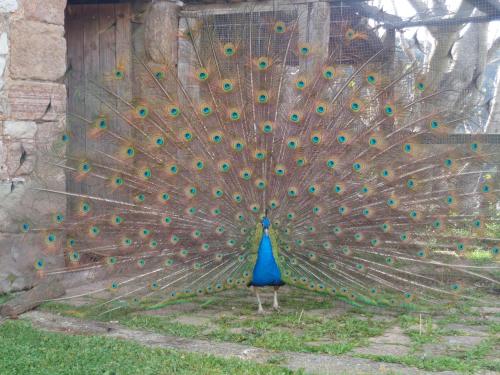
pixel 458 41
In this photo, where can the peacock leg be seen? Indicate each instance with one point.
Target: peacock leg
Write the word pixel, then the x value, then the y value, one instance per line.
pixel 260 310
pixel 276 306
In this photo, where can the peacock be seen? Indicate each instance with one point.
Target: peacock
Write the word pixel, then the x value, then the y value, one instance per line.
pixel 271 158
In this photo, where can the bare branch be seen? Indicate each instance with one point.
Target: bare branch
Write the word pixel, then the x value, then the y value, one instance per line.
pixel 420 6
pixel 377 14
pixel 440 5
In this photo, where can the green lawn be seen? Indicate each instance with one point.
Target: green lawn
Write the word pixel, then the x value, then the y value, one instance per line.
pixel 26 351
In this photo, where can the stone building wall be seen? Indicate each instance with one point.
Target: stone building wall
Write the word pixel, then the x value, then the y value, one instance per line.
pixel 33 65
pixel 32 112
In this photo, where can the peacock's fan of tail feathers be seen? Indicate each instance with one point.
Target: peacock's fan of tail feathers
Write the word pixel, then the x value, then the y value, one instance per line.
pixel 331 141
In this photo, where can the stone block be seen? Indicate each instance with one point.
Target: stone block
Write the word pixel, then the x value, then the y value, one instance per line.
pixel 3 61
pixel 394 335
pixel 19 146
pixel 434 350
pixel 18 202
pixel 37 51
pixel 38 101
pixel 472 330
pixel 19 159
pixel 8 6
pixel 3 159
pixel 49 133
pixel 10 197
pixel 384 349
pixel 18 252
pixel 4 44
pixel 49 11
pixel 486 309
pixel 463 342
pixel 19 129
pixel 22 145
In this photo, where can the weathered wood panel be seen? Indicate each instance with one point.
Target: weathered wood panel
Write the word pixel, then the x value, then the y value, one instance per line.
pixel 99 42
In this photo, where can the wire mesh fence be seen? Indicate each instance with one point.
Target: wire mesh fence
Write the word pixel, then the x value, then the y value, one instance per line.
pixel 457 41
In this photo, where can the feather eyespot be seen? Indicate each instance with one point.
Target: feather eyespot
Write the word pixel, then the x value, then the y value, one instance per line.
pixel 279 27
pixel 229 49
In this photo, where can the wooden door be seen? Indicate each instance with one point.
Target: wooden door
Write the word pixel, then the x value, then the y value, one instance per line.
pixel 99 42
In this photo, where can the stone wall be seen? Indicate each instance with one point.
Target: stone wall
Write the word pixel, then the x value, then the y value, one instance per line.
pixel 32 112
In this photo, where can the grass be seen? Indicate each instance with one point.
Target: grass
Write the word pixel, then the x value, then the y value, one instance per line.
pixel 157 324
pixel 439 363
pixel 494 328
pixel 432 330
pixel 291 331
pixel 26 351
pixel 467 362
pixel 304 326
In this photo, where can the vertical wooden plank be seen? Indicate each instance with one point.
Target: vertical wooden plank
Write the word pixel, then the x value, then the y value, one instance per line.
pixel 75 88
pixel 107 60
pixel 123 57
pixel 99 40
pixel 137 12
pixel 91 61
pixel 91 70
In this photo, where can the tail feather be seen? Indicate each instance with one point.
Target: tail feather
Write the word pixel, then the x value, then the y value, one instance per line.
pixel 259 118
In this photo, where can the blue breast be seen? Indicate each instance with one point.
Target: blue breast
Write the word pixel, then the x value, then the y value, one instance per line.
pixel 266 271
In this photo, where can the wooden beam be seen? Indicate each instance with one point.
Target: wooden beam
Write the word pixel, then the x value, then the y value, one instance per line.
pixel 441 22
pixel 46 290
pixel 197 10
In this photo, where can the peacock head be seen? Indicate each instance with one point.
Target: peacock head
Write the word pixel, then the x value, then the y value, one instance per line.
pixel 266 223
